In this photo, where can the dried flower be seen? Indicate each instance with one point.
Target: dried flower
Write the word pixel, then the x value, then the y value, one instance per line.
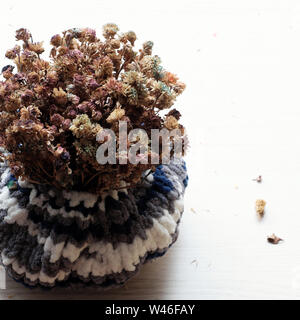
pixel 23 34
pixel 73 98
pixel 12 53
pixel 52 111
pixel 115 43
pixel 260 206
pixel 8 67
pixel 52 78
pixel 82 127
pixel 36 47
pixel 33 77
pixel 27 96
pixel 57 119
pixel 147 47
pixel 131 37
pixel 89 34
pixel 116 115
pixel 171 123
pixel 60 96
pixel 110 30
pixel 175 113
pixel 56 40
pixel 170 78
pixel 7 73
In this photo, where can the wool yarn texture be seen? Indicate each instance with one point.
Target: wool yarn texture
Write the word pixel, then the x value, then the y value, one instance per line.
pixel 51 237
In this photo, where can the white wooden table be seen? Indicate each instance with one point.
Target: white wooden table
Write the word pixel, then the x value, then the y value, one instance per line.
pixel 240 60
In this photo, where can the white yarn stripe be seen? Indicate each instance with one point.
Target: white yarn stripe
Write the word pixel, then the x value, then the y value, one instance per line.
pixel 5 174
pixel 75 198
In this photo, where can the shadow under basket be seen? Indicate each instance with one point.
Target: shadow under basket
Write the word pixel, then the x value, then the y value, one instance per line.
pixel 51 237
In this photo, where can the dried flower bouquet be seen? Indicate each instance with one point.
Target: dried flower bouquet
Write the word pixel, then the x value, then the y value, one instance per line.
pixel 64 217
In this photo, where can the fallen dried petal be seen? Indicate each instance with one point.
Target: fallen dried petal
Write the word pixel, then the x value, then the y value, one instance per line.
pixel 260 206
pixel 258 179
pixel 274 239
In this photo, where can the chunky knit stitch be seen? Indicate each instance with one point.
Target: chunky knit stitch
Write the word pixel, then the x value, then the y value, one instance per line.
pixel 50 237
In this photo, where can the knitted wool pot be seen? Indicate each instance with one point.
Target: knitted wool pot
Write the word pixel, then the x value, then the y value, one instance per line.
pixel 50 237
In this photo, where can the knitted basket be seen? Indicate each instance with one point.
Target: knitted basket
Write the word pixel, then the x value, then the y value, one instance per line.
pixel 50 237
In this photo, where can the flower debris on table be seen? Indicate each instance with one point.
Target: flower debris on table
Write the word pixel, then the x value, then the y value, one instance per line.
pixel 258 179
pixel 260 207
pixel 274 239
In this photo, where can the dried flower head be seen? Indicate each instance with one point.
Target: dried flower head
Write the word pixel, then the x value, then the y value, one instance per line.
pixel 51 111
pixel 260 206
pixel 56 40
pixel 116 115
pixel 110 30
pixel 23 34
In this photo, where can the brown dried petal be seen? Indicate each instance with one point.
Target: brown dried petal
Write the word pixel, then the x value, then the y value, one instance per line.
pixel 274 239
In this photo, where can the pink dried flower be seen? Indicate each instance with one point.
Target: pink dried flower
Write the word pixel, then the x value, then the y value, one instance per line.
pixel 27 96
pixel 73 98
pixel 89 34
pixel 23 34
pixel 76 54
pixel 78 80
pixel 57 119
pixel 66 124
pixel 92 83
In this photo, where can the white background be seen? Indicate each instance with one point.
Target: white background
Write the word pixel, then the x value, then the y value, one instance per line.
pixel 241 63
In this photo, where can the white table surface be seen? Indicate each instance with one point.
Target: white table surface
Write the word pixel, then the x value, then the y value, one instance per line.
pixel 241 63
